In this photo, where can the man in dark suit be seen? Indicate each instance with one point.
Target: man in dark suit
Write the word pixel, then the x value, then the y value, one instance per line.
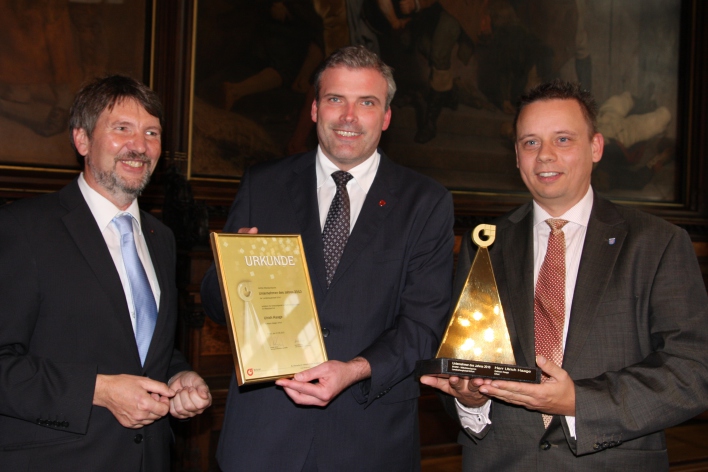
pixel 632 332
pixel 381 310
pixel 89 371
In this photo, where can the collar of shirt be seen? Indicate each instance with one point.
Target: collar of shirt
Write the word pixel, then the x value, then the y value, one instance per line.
pixel 363 177
pixel 574 231
pixel 579 214
pixel 103 210
pixel 363 174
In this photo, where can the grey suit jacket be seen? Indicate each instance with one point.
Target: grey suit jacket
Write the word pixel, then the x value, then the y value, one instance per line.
pixel 636 346
pixel 63 320
pixel 388 302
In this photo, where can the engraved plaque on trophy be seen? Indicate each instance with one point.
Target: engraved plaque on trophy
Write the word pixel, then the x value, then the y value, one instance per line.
pixel 476 342
pixel 270 310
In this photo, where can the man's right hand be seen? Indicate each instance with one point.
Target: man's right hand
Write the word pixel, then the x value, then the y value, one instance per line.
pixel 134 401
pixel 253 230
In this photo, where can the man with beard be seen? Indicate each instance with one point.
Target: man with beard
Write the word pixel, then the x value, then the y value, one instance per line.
pixel 88 304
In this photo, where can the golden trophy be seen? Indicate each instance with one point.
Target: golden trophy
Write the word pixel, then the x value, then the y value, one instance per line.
pixel 476 342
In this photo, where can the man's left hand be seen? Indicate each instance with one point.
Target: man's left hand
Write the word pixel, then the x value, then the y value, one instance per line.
pixel 192 397
pixel 555 396
pixel 329 378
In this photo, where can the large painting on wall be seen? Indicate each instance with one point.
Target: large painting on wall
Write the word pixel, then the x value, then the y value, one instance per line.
pixel 460 66
pixel 47 50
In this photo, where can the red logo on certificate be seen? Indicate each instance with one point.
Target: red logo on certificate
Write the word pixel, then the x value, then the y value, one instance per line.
pixel 249 372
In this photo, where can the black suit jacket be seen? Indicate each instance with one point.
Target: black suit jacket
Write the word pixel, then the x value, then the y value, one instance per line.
pixel 636 345
pixel 388 302
pixel 63 320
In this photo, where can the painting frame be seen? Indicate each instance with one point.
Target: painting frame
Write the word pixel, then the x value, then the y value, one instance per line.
pixel 689 207
pixel 41 174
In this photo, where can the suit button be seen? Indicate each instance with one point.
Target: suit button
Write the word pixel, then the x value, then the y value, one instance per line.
pixel 597 446
pixel 545 445
pixel 65 424
pixel 325 332
pixel 138 438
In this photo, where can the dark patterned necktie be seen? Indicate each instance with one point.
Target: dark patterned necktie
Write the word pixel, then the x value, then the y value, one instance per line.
pixel 336 228
pixel 549 301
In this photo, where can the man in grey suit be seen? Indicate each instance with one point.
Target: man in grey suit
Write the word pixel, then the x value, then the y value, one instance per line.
pixel 89 369
pixel 632 333
pixel 381 309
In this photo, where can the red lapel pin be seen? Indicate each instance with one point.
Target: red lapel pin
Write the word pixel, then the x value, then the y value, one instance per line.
pixel 382 203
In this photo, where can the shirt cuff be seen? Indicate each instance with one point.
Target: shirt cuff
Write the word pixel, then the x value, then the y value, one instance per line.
pixel 570 420
pixel 476 419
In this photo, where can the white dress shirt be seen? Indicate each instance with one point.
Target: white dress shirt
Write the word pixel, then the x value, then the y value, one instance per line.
pixel 577 217
pixel 357 188
pixel 104 211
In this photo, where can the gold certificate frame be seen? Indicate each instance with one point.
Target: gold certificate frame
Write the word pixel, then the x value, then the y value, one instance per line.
pixel 269 306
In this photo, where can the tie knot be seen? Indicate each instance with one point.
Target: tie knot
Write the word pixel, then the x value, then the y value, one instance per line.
pixel 556 224
pixel 341 178
pixel 124 223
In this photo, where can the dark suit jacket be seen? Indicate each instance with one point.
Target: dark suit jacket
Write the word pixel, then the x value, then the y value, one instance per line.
pixel 636 345
pixel 388 302
pixel 63 320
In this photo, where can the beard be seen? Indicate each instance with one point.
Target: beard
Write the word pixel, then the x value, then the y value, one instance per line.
pixel 116 185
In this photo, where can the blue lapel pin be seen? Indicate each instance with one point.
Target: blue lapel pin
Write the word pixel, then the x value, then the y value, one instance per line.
pixel 611 241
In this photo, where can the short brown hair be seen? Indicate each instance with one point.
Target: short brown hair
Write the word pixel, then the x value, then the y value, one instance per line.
pixel 357 57
pixel 103 94
pixel 562 90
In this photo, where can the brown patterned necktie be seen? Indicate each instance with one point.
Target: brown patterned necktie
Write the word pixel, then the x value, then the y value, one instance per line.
pixel 336 228
pixel 549 300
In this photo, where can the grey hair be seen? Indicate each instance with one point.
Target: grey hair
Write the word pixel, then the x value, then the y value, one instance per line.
pixel 357 57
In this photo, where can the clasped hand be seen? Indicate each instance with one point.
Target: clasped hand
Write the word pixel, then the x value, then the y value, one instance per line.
pixel 139 401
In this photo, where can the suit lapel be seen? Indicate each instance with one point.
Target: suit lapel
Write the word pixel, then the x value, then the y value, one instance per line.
pixel 302 194
pixel 596 266
pixel 159 262
pixel 82 227
pixel 517 246
pixel 372 215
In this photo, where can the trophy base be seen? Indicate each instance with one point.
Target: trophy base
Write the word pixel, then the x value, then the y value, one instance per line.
pixel 446 367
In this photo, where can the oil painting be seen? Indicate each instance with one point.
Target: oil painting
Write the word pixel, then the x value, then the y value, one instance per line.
pixel 460 66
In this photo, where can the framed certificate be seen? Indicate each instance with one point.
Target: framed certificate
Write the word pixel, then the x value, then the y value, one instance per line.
pixel 270 309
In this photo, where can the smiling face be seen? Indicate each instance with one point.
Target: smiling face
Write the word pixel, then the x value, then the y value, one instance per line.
pixel 122 153
pixel 350 114
pixel 555 152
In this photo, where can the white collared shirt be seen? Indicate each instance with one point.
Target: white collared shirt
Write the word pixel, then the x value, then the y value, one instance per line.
pixel 104 211
pixel 574 231
pixel 357 188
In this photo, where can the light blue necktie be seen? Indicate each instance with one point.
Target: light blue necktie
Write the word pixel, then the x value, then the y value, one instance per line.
pixel 143 299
